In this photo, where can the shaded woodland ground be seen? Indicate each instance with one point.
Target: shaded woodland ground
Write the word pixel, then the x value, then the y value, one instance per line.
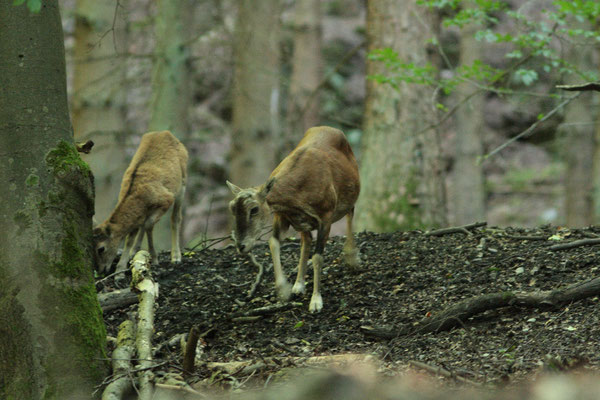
pixel 405 277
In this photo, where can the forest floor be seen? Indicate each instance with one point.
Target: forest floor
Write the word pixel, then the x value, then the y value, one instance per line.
pixel 404 277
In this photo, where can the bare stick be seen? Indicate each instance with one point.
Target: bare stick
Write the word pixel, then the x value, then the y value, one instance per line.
pixel 576 243
pixel 267 310
pixel 121 362
pixel 531 128
pixel 458 314
pixel 581 88
pixel 259 276
pixel 456 229
pixel 189 356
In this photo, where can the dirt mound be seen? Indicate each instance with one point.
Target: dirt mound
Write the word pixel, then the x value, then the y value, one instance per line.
pixel 405 277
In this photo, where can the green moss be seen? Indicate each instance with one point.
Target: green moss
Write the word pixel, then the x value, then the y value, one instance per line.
pixel 65 157
pixel 32 180
pixel 70 290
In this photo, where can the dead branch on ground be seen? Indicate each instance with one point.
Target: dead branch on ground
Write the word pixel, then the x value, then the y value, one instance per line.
pixel 456 229
pixel 272 309
pixel 116 299
pixel 576 243
pixel 147 291
pixel 121 363
pixel 458 314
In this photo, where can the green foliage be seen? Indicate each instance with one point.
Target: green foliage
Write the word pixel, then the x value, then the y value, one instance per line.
pixel 531 41
pixel 33 5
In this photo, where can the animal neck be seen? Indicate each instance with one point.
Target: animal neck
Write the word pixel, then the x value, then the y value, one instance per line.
pixel 127 216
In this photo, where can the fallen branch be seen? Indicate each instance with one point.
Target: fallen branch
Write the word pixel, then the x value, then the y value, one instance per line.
pixel 576 243
pixel 259 276
pixel 142 283
pixel 459 313
pixel 121 363
pixel 116 299
pixel 442 371
pixel 272 309
pixel 456 229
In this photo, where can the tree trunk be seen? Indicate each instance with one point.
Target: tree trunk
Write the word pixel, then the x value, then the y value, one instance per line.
pixel 255 92
pixel 98 100
pixel 577 133
pixel 468 190
pixel 170 75
pixel 51 325
pixel 303 102
pixel 171 89
pixel 402 181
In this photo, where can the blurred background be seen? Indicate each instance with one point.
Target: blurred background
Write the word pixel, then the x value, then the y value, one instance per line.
pixel 422 89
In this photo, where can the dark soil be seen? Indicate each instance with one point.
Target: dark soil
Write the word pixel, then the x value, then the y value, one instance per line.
pixel 405 276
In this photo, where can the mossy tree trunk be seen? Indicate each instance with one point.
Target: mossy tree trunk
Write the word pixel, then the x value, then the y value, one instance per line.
pixel 401 176
pixel 51 326
pixel 303 101
pixel 98 97
pixel 467 189
pixel 255 92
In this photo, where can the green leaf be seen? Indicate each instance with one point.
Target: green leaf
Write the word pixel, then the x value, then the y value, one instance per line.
pixel 299 325
pixel 18 2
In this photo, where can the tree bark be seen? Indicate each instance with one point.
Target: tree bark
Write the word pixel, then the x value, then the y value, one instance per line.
pixel 255 92
pixel 401 176
pixel 303 104
pixel 53 336
pixel 98 97
pixel 468 189
pixel 577 134
pixel 171 86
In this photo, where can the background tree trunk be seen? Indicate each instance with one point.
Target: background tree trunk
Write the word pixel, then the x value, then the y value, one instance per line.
pixel 255 138
pixel 468 189
pixel 306 71
pixel 402 181
pixel 51 325
pixel 577 135
pixel 98 99
pixel 171 87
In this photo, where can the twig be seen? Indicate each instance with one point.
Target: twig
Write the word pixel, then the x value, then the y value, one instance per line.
pixel 267 309
pixel 110 276
pixel 525 237
pixel 456 229
pixel 441 371
pixel 583 87
pixel 576 243
pixel 531 128
pixel 259 276
pixel 180 388
pixel 243 320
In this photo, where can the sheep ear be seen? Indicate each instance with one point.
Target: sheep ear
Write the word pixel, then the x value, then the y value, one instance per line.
pixel 234 189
